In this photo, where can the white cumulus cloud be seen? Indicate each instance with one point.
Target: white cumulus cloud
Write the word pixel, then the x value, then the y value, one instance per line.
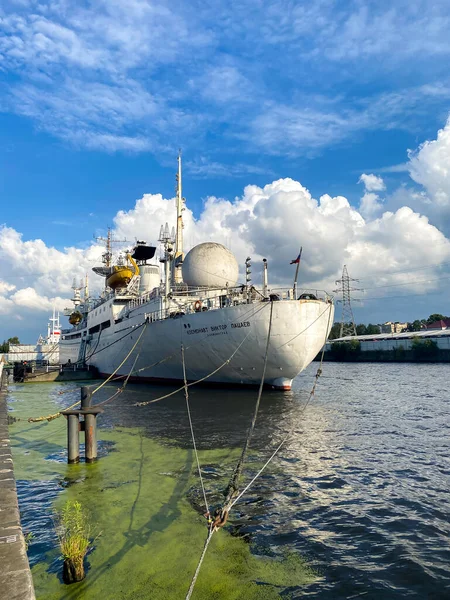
pixel 274 220
pixel 370 204
pixel 429 166
pixel 29 298
pixel 269 222
pixel 372 183
pixel 35 277
pixel 6 287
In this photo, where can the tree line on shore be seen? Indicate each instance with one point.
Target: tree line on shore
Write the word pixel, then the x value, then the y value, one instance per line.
pixel 421 349
pixel 372 329
pixel 4 347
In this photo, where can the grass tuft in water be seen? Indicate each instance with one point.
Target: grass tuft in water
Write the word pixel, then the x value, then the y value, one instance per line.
pixel 74 532
pixel 28 537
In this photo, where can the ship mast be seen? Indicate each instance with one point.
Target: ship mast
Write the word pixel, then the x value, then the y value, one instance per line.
pixel 106 256
pixel 109 241
pixel 53 329
pixel 177 273
pixel 168 240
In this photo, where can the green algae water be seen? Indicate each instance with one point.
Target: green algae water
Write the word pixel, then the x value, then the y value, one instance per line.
pixel 143 498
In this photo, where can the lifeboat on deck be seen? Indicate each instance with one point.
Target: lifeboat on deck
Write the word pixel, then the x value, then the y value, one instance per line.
pixel 75 317
pixel 120 277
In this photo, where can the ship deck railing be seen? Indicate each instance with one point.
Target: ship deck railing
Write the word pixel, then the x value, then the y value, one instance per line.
pixel 233 297
pixel 183 301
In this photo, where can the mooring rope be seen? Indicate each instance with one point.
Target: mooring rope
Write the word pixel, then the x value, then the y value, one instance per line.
pixel 51 417
pixel 284 440
pixel 84 360
pixel 58 414
pixel 234 481
pixel 122 388
pixel 197 381
pixel 95 351
pixel 78 362
pixel 186 394
pixel 225 510
pixel 247 487
pixel 159 362
pixel 123 362
pixel 197 571
pixel 223 513
pixel 192 345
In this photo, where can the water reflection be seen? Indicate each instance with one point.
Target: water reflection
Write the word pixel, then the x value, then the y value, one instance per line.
pixel 360 488
pixel 221 417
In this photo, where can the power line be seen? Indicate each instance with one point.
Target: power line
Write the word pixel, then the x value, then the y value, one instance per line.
pixel 423 294
pixel 348 326
pixel 430 266
pixel 410 282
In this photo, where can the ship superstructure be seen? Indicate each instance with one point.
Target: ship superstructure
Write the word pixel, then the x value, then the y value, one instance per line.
pixel 147 313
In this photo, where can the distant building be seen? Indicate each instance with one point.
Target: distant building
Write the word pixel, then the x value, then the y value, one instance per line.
pixel 391 327
pixel 46 353
pixel 442 324
pixel 393 341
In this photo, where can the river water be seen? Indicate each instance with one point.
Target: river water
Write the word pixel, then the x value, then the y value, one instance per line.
pixel 360 489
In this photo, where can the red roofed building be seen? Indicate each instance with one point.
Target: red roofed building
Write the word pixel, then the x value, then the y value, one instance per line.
pixel 442 324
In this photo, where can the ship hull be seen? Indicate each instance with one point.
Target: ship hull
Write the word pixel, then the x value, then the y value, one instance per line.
pixel 225 346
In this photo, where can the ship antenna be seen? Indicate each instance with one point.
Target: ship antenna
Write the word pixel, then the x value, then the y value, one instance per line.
pixel 109 241
pixel 179 234
pixel 108 255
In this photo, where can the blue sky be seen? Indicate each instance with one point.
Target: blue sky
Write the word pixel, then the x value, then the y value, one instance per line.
pixel 97 97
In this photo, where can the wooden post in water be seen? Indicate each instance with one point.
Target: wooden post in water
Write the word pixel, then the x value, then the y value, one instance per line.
pixel 89 426
pixel 90 433
pixel 86 397
pixel 73 437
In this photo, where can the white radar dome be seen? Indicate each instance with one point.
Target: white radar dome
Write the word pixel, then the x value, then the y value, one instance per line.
pixel 210 265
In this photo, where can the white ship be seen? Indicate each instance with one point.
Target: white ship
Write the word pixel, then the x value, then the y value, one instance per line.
pixel 44 352
pixel 140 324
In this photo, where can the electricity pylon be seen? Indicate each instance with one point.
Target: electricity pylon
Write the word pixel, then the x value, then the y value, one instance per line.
pixel 348 326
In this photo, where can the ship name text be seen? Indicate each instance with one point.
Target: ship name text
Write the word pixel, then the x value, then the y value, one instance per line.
pixel 217 329
pixel 241 324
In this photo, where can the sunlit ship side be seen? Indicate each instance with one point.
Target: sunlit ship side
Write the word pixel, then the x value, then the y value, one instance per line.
pixel 140 324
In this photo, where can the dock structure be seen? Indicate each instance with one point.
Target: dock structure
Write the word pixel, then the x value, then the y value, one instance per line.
pixel 24 372
pixel 16 582
pixel 88 424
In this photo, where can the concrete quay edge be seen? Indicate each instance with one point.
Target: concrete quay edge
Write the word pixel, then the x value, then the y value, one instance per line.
pixel 16 582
